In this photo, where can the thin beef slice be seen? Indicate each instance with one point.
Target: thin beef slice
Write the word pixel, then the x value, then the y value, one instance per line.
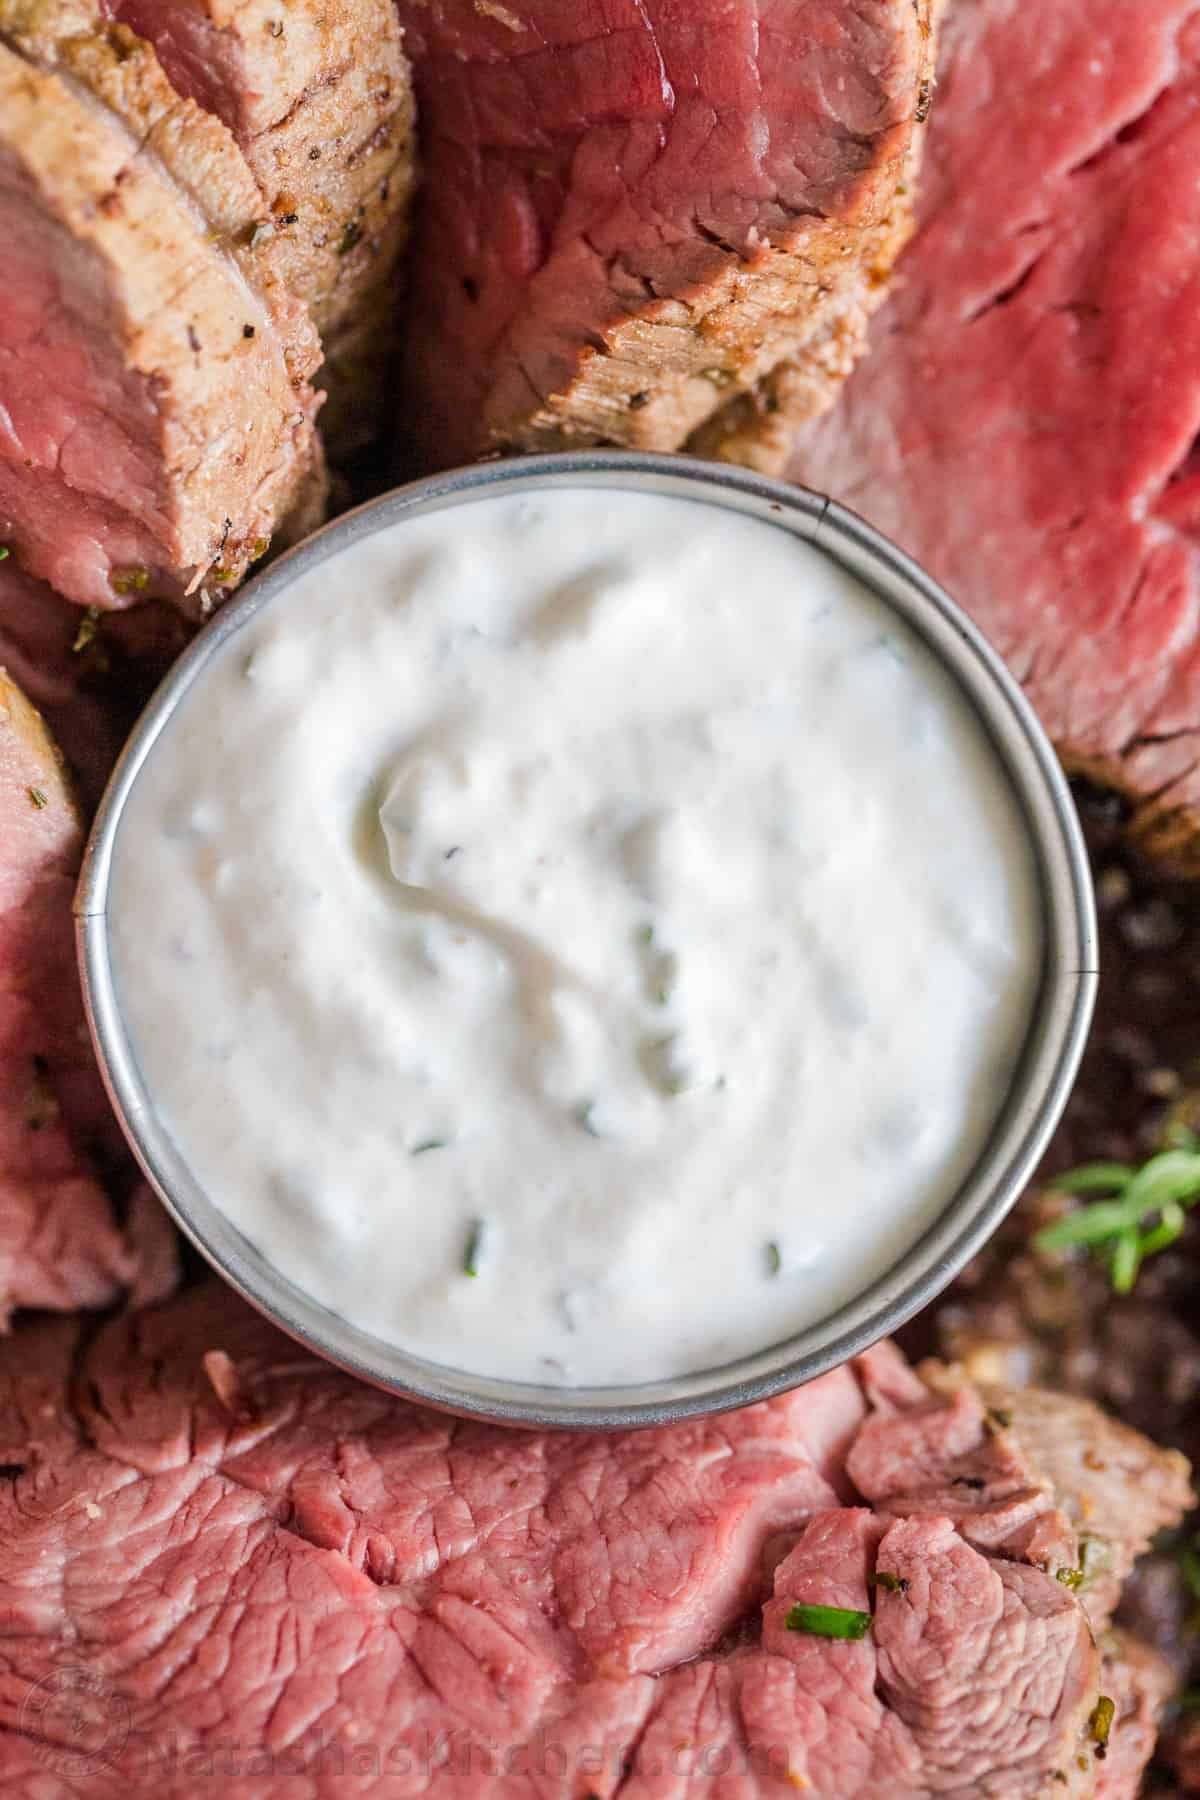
pixel 156 416
pixel 244 1566
pixel 1025 424
pixel 319 98
pixel 633 209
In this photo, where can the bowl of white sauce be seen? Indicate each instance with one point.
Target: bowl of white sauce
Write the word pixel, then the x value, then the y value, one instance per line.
pixel 589 940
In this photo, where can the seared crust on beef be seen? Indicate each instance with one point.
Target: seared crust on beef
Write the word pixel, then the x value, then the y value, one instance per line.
pixel 758 426
pixel 318 95
pixel 580 280
pixel 194 149
pixel 154 382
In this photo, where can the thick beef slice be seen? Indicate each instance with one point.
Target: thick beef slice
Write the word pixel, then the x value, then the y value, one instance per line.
pixel 634 209
pixel 1025 423
pixel 319 98
pixel 60 1245
pixel 157 419
pixel 1047 1477
pixel 266 1573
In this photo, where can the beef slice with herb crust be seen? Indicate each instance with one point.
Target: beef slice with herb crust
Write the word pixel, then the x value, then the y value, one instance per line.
pixel 318 95
pixel 156 407
pixel 1026 422
pixel 278 1577
pixel 633 209
pixel 61 1244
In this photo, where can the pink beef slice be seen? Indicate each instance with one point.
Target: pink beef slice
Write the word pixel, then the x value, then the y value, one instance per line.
pixel 633 209
pixel 1026 423
pixel 60 1241
pixel 224 1562
pixel 156 415
pixel 318 95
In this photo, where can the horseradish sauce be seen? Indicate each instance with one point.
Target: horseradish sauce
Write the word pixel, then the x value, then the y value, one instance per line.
pixel 579 936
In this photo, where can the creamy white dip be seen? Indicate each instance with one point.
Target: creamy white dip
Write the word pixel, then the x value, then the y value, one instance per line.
pixel 578 937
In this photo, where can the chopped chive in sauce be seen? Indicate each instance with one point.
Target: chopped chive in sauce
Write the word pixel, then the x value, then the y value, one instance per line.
pixel 666 974
pixel 38 798
pixel 662 1064
pixel 891 1584
pixel 585 1117
pixel 646 934
pixel 4 551
pixel 426 1145
pixel 774 1258
pixel 998 1418
pixel 1070 1578
pixel 829 1621
pixel 473 1254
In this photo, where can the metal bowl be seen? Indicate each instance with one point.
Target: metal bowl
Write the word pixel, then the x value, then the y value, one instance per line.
pixel 1047 1066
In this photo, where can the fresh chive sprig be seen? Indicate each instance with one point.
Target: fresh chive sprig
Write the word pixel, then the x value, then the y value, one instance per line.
pixel 829 1621
pixel 1142 1210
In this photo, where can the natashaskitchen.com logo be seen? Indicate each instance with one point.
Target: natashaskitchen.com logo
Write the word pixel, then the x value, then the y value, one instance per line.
pixel 80 1725
pixel 78 1722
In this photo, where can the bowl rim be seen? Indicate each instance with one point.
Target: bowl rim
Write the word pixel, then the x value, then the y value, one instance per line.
pixel 1047 1067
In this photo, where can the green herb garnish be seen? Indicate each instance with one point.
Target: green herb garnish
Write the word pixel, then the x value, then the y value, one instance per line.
pixel 4 551
pixel 426 1145
pixel 1070 1578
pixel 774 1258
pixel 351 236
pixel 38 798
pixel 829 1621
pixel 586 1117
pixel 473 1254
pixel 1143 1213
pixel 129 581
pixel 891 1584
pixel 666 974
pixel 1100 1723
pixel 661 1061
pixel 999 1418
pixel 89 625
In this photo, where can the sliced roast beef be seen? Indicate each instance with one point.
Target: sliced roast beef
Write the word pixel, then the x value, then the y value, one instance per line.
pixel 60 1243
pixel 1026 422
pixel 157 420
pixel 236 1563
pixel 319 98
pixel 634 209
